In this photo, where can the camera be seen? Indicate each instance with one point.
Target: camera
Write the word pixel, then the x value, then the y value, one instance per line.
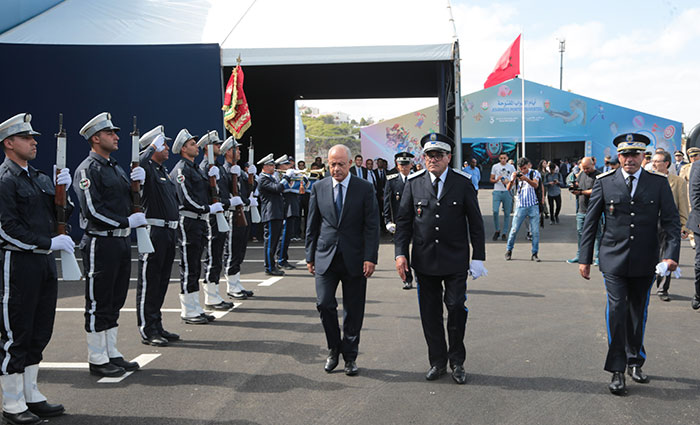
pixel 518 175
pixel 573 187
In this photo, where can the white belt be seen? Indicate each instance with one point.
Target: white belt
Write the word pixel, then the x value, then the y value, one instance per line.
pixel 162 223
pixel 117 233
pixel 33 251
pixel 190 214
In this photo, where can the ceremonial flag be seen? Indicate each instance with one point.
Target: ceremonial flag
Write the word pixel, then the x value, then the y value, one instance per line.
pixel 508 66
pixel 236 112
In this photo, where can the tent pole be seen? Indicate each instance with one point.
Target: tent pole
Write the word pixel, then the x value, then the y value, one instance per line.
pixel 458 108
pixel 522 91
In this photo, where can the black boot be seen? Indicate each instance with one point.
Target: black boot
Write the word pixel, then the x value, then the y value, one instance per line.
pixel 23 418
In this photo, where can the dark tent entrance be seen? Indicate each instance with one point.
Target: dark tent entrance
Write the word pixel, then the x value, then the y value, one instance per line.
pixel 553 151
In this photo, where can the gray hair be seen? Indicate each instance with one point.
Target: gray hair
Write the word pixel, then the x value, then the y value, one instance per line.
pixel 343 147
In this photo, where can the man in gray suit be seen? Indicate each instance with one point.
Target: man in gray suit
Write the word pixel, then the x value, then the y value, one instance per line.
pixel 694 223
pixel 342 244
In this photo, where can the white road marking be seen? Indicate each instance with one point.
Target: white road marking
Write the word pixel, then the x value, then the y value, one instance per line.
pixel 271 281
pixel 134 279
pixel 142 360
pixel 131 310
pixel 66 365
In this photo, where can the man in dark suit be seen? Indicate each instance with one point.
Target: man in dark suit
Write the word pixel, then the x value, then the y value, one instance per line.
pixel 694 221
pixel 358 170
pixel 342 245
pixel 634 202
pixel 392 199
pixel 439 211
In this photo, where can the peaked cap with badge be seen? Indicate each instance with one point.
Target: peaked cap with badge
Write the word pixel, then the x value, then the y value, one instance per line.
pixel 631 142
pixel 182 137
pixel 268 160
pixel 151 135
pixel 101 121
pixel 437 142
pixel 20 124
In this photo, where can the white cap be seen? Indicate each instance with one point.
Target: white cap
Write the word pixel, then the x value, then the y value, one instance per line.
pixel 150 136
pixel 101 121
pixel 269 159
pixel 284 159
pixel 182 137
pixel 228 144
pixel 19 124
pixel 209 138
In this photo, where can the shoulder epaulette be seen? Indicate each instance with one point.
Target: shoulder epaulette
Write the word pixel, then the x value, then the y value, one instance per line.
pixel 463 173
pixel 607 173
pixel 391 176
pixel 686 165
pixel 416 174
pixel 657 173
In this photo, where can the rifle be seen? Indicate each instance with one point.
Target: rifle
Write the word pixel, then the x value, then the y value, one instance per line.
pixel 69 265
pixel 251 155
pixel 239 219
pixel 143 240
pixel 214 190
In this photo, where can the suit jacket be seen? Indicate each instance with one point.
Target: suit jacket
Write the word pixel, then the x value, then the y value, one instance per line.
pixel 363 171
pixel 679 188
pixel 630 244
pixel 271 200
pixel 356 235
pixel 441 229
pixel 693 222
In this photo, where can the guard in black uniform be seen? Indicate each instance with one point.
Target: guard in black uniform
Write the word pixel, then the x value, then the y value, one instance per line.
pixel 193 197
pixel 159 200
pixel 103 189
pixel 633 201
pixel 292 210
pixel 28 284
pixel 234 250
pixel 439 212
pixel 393 189
pixel 214 251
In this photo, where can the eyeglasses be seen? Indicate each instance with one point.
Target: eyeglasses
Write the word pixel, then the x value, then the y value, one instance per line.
pixel 435 155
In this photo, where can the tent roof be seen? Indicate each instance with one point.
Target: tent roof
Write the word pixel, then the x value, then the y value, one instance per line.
pixel 263 32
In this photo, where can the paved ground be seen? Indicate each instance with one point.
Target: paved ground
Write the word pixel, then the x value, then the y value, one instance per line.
pixel 535 349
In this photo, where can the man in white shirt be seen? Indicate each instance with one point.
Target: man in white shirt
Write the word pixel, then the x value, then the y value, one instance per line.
pixel 500 175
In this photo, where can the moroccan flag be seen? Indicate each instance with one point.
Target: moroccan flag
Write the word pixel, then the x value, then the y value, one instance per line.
pixel 236 112
pixel 508 66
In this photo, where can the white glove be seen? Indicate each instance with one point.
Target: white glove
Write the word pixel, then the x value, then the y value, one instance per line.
pixel 138 174
pixel 236 201
pixel 253 202
pixel 214 172
pixel 137 220
pixel 477 269
pixel 391 227
pixel 159 143
pixel 289 173
pixel 64 177
pixel 216 207
pixel 235 170
pixel 662 269
pixel 252 169
pixel 677 273
pixel 62 242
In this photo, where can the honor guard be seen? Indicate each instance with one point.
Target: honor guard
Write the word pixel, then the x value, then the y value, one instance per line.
pixel 292 209
pixel 634 202
pixel 271 211
pixel 237 240
pixel 439 212
pixel 159 200
pixel 29 281
pixel 216 239
pixel 392 198
pixel 194 202
pixel 103 189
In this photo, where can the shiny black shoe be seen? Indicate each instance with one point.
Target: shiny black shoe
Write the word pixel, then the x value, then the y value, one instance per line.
pixel 504 237
pixel 248 293
pixel 196 320
pixel 43 409
pixel 351 368
pixel 237 295
pixel 222 306
pixel 108 369
pixel 274 272
pixel 208 317
pixel 535 258
pixel 663 296
pixel 617 385
pixel 407 285
pixel 635 372
pixel 696 303
pixel 155 340
pixel 459 375
pixel 496 236
pixel 287 266
pixel 509 254
pixel 169 335
pixel 127 366
pixel 331 360
pixel 23 418
pixel 435 373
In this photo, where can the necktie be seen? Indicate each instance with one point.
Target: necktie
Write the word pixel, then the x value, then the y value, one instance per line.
pixel 630 179
pixel 339 201
pixel 436 187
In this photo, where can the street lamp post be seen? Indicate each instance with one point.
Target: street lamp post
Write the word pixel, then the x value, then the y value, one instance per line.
pixel 562 47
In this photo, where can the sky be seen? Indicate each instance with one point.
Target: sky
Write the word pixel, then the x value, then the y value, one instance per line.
pixel 636 54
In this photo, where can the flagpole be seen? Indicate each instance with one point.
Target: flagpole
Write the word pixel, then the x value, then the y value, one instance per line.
pixel 522 89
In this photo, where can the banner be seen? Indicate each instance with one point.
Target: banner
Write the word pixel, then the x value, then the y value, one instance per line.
pixel 236 113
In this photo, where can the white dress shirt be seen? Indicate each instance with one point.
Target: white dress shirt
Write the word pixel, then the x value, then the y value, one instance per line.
pixel 635 181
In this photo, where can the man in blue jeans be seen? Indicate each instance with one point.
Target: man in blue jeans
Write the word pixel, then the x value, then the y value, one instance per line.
pixel 500 176
pixel 526 180
pixel 583 189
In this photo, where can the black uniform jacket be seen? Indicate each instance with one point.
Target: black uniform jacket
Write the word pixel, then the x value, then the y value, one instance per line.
pixel 271 200
pixel 693 222
pixel 27 211
pixel 441 229
pixel 392 197
pixel 630 245
pixel 223 185
pixel 192 187
pixel 159 194
pixel 244 189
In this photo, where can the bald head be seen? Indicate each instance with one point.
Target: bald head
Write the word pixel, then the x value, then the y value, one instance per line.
pixel 337 150
pixel 587 165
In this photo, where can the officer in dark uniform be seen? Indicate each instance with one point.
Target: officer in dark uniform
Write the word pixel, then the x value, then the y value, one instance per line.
pixel 214 251
pixel 392 198
pixel 159 198
pixel 28 284
pixel 271 210
pixel 439 212
pixel 194 202
pixel 237 241
pixel 633 201
pixel 104 192
pixel 292 210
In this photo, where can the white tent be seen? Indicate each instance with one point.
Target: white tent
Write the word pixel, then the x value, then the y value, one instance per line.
pixel 262 32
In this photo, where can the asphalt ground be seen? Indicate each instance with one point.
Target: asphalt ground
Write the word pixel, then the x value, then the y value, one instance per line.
pixel 536 343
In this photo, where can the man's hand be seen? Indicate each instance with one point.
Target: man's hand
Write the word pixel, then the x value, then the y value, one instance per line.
pixel 684 234
pixel 585 270
pixel 310 267
pixel 368 268
pixel 402 267
pixel 672 265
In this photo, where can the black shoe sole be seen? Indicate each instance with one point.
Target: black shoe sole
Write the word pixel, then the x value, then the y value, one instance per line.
pixel 155 344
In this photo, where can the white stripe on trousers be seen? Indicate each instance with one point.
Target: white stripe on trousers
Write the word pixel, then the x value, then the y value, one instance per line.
pixel 144 286
pixel 183 256
pixel 229 242
pixel 210 262
pixel 6 312
pixel 91 285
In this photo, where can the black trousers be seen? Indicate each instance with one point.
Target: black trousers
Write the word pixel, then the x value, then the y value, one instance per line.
pixel 107 268
pixel 430 299
pixel 626 318
pixel 304 210
pixel 697 267
pixel 552 200
pixel 236 244
pixel 354 294
pixel 192 237
pixel 153 280
pixel 27 310
pixel 663 283
pixel 214 252
pixel 272 231
pixel 288 226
